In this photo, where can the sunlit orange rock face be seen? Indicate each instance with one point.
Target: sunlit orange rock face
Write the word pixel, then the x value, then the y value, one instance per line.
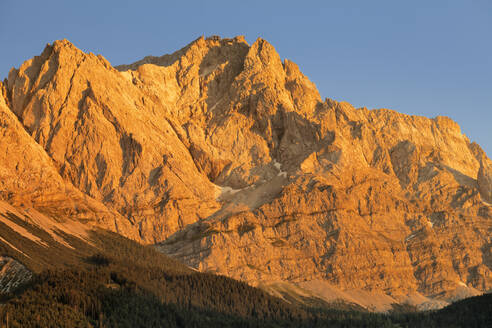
pixel 227 158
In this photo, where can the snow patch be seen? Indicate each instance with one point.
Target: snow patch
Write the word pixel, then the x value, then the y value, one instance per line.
pixel 413 235
pixel 229 190
pixel 278 166
pixel 221 191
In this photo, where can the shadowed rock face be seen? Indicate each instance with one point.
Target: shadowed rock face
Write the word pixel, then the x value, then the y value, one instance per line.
pixel 12 274
pixel 485 180
pixel 228 158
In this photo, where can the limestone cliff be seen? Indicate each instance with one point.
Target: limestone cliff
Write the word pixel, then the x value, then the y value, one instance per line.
pixel 228 158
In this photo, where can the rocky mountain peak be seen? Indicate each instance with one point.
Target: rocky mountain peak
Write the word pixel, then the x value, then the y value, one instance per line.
pixel 228 159
pixel 263 54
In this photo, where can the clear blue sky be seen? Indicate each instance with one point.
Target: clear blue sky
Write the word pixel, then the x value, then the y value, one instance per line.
pixel 418 57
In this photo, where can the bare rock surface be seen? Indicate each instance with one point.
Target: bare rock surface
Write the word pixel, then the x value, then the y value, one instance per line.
pixel 12 274
pixel 485 180
pixel 227 158
pixel 30 179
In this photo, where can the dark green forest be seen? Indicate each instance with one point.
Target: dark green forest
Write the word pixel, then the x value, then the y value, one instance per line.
pixel 124 284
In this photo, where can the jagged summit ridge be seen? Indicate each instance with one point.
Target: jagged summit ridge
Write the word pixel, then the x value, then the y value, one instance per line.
pixel 166 60
pixel 228 158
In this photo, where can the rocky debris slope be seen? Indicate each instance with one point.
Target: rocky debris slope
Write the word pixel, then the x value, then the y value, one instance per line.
pixel 228 158
pixel 12 274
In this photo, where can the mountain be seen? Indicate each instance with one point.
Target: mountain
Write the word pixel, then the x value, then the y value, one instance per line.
pixel 226 158
pixel 81 277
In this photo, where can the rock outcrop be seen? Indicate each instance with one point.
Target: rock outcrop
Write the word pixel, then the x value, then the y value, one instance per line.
pixel 227 158
pixel 12 274
pixel 30 179
pixel 485 181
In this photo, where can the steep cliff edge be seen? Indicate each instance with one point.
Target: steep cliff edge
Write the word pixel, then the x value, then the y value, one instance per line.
pixel 228 158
